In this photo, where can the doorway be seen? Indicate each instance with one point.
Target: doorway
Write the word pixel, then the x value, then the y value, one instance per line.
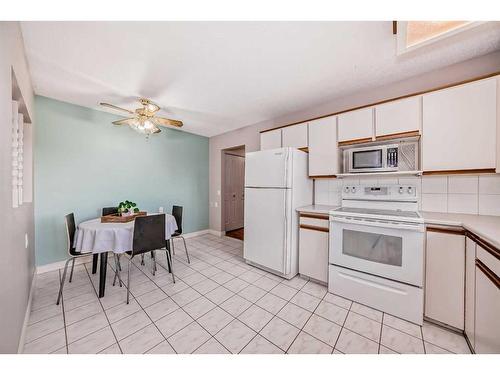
pixel 233 191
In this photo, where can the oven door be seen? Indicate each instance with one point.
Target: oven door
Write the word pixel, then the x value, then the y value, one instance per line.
pixel 388 249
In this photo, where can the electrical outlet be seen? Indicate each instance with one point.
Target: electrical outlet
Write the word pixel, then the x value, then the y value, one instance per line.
pixel 26 241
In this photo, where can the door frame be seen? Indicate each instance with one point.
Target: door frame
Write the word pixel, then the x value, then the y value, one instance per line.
pixel 231 151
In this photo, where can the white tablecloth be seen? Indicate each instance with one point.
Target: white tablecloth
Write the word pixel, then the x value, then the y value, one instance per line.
pixel 96 237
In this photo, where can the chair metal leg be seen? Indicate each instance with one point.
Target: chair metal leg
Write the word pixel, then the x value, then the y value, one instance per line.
pixel 128 280
pixel 173 248
pixel 170 267
pixel 185 247
pixel 72 267
pixel 117 271
pixel 153 257
pixel 62 281
pixel 142 259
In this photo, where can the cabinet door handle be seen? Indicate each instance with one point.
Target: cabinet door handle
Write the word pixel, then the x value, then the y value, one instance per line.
pixel 488 273
pixel 314 227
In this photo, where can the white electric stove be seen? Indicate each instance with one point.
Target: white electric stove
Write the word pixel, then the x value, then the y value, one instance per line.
pixel 377 249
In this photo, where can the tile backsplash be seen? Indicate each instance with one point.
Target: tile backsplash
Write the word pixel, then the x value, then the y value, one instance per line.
pixel 455 194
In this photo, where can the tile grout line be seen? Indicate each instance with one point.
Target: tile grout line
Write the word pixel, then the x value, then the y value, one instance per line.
pixel 104 311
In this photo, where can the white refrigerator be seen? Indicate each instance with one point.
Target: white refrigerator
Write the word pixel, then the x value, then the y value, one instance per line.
pixel 276 183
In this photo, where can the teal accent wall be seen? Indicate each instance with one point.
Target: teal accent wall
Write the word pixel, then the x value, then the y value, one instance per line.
pixel 83 163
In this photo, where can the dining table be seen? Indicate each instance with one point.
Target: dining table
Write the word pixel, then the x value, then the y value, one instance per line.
pixel 97 238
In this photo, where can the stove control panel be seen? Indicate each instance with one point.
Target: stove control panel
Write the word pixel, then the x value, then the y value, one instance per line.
pixel 382 192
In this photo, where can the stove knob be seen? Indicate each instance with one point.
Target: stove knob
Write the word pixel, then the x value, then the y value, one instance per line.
pixel 353 189
pixel 346 189
pixel 410 190
pixel 400 190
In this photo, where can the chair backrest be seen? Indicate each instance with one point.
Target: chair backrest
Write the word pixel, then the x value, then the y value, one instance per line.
pixel 109 211
pixel 70 232
pixel 177 214
pixel 149 234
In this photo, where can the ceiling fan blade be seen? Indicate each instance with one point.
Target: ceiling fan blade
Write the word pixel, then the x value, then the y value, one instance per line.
pixel 125 121
pixel 117 108
pixel 167 122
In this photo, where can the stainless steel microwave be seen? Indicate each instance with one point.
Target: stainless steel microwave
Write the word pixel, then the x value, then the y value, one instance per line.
pixel 402 156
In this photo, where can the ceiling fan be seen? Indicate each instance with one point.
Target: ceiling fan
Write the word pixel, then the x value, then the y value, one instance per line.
pixel 144 119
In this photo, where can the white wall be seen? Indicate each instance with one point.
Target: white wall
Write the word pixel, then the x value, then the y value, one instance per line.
pixel 250 137
pixel 16 262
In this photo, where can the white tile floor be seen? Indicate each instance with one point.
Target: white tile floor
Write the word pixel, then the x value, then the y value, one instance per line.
pixel 219 304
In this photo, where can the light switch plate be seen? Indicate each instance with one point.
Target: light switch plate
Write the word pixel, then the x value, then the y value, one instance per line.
pixel 26 241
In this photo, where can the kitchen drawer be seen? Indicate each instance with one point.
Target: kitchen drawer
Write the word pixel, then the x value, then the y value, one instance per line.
pixel 314 220
pixel 401 300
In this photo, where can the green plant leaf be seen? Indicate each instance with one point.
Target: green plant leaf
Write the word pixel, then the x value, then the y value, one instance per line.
pixel 136 210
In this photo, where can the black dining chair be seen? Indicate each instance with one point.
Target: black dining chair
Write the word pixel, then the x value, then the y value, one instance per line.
pixel 177 214
pixel 73 254
pixel 149 235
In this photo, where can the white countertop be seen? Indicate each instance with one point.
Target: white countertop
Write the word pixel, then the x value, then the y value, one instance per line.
pixel 486 227
pixel 323 209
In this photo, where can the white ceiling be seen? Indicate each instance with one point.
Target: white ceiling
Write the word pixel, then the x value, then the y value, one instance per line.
pixel 219 76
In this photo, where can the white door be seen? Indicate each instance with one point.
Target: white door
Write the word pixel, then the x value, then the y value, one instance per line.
pixel 268 168
pixel 356 125
pixel 399 116
pixel 295 136
pixel 266 227
pixel 270 139
pixel 234 191
pixel 487 337
pixel 459 127
pixel 323 151
pixel 445 278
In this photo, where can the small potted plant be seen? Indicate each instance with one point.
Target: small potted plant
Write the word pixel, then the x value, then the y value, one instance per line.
pixel 127 208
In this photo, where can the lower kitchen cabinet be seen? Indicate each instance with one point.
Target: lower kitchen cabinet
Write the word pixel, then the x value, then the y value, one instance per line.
pixel 313 246
pixel 445 277
pixel 487 327
pixel 470 288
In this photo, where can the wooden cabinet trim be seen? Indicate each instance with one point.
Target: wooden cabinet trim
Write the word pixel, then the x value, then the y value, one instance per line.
pixel 386 137
pixel 488 273
pixel 456 231
pixel 323 176
pixel 484 244
pixel 460 171
pixel 314 216
pixel 390 100
pixel 313 227
pixel 355 141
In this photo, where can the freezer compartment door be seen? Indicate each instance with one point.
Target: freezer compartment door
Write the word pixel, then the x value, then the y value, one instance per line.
pixel 269 168
pixel 266 227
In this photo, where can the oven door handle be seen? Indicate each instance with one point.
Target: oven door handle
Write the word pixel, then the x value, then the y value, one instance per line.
pixel 379 224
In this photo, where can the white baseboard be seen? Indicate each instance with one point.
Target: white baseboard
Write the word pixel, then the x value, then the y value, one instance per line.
pixel 216 232
pixel 195 234
pixel 58 265
pixel 27 314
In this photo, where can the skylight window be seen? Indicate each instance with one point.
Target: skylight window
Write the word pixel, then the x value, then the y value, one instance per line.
pixel 414 34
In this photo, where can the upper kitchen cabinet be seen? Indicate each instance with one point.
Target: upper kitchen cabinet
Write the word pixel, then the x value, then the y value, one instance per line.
pixel 295 136
pixel 323 151
pixel 398 117
pixel 270 139
pixel 356 125
pixel 459 127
